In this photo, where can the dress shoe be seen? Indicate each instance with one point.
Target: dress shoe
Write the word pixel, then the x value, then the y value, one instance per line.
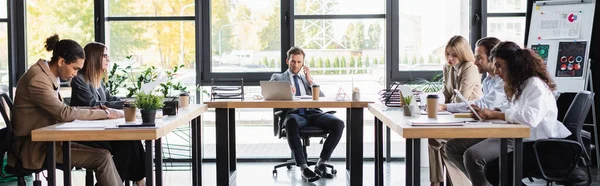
pixel 321 170
pixel 309 175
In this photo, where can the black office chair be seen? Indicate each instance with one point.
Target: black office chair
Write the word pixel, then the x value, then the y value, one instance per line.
pixel 17 171
pixel 305 134
pixel 576 146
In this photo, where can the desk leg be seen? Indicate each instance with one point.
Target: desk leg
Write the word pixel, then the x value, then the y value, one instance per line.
pixel 158 161
pixel 518 161
pixel 232 149
pixel 356 141
pixel 417 161
pixel 149 176
pixel 196 151
pixel 89 177
pixel 503 162
pixel 409 161
pixel 378 152
pixel 66 150
pixel 222 143
pixel 388 145
pixel 51 163
pixel 348 137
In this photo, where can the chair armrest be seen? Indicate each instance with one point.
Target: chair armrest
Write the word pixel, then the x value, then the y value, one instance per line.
pixel 331 112
pixel 573 162
pixel 278 113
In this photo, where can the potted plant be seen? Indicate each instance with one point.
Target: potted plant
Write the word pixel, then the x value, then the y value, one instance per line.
pixel 148 104
pixel 406 101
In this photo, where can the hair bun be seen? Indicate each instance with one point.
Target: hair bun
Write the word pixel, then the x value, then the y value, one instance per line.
pixel 51 42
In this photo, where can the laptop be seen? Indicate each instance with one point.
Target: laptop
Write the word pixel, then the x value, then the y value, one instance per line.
pixel 464 100
pixel 276 90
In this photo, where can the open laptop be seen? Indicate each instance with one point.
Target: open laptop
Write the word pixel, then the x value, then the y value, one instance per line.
pixel 464 100
pixel 276 90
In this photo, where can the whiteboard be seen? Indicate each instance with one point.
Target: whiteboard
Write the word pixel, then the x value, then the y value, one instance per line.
pixel 560 32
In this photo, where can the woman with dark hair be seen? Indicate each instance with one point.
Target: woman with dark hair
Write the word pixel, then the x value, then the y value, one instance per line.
pixel 528 87
pixel 38 104
pixel 87 89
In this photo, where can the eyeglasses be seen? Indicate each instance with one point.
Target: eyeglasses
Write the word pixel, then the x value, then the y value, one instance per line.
pixel 105 56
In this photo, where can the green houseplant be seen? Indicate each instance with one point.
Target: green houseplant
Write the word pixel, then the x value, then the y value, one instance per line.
pixel 170 88
pixel 145 76
pixel 148 104
pixel 116 78
pixel 406 102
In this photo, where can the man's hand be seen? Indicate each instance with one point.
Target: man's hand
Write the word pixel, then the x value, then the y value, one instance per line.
pixel 307 74
pixel 114 114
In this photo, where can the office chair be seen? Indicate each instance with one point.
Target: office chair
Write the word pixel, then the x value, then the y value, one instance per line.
pixel 576 146
pixel 17 171
pixel 305 134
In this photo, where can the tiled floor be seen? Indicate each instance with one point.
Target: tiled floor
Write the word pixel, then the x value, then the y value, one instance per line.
pixel 253 174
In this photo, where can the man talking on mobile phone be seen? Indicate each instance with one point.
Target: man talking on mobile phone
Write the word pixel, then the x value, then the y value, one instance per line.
pixel 303 117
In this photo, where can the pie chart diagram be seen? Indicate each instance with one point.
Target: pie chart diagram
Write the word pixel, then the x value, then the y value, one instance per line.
pixel 572 18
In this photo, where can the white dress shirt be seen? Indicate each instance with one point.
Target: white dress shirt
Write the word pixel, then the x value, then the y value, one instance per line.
pixel 493 95
pixel 300 83
pixel 537 108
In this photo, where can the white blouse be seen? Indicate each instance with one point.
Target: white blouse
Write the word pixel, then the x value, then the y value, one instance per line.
pixel 537 108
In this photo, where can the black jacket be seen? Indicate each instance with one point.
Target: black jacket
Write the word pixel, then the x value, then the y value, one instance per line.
pixel 83 94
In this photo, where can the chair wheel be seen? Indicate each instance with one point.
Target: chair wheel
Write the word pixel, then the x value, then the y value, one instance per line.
pixel 274 173
pixel 333 171
pixel 37 183
pixel 288 167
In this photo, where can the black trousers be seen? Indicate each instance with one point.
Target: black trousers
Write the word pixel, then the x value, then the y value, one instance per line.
pixel 128 157
pixel 295 121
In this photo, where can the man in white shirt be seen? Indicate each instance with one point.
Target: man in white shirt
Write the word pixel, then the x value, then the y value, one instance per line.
pixel 493 95
pixel 298 118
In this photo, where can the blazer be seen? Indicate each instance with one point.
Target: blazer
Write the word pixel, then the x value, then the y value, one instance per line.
pixel 38 104
pixel 84 94
pixel 468 82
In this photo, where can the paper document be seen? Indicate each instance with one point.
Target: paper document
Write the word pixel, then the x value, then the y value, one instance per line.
pixel 148 87
pixel 423 112
pixel 422 121
pixel 92 123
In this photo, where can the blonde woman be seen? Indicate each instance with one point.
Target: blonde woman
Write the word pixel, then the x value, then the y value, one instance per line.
pixel 88 90
pixel 460 73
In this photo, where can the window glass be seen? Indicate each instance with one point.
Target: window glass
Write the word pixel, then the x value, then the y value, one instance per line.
pixel 245 36
pixel 507 28
pixel 151 8
pixel 423 35
pixel 71 20
pixel 332 7
pixel 506 6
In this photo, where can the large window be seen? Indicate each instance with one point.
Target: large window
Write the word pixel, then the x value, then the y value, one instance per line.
pixel 160 34
pixel 506 20
pixel 423 34
pixel 245 36
pixel 344 42
pixel 71 20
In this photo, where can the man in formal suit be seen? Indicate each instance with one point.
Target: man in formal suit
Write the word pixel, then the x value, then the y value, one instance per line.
pixel 302 117
pixel 38 104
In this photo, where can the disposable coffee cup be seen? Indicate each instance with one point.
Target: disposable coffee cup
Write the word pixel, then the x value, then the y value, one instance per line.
pixel 184 100
pixel 315 92
pixel 432 104
pixel 129 111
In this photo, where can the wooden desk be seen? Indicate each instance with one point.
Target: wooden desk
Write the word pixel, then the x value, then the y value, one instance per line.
pixel 225 129
pixel 394 118
pixel 167 124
